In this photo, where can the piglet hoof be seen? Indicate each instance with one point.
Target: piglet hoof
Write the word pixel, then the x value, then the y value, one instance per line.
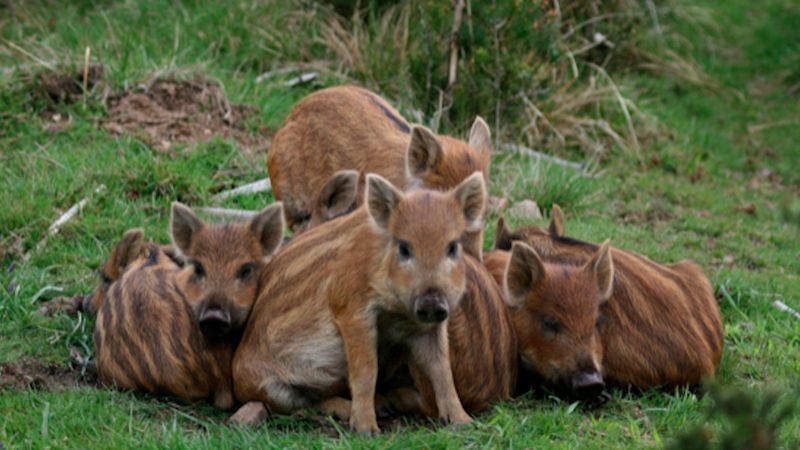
pixel 335 406
pixel 598 402
pixel 383 407
pixel 223 400
pixel 366 427
pixel 459 419
pixel 251 414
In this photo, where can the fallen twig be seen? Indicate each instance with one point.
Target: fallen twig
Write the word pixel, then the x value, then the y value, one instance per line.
pixel 86 59
pixel 38 60
pixel 780 306
pixel 250 188
pixel 757 128
pixel 67 216
pixel 275 72
pixel 303 78
pixel 64 218
pixel 226 213
pixel 318 66
pixel 452 72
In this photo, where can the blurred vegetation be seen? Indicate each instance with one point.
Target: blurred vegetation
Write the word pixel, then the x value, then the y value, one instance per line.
pixel 750 420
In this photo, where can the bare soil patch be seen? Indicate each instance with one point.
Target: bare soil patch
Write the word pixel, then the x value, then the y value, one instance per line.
pixel 28 373
pixel 166 112
pixel 162 111
pixel 62 304
pixel 68 86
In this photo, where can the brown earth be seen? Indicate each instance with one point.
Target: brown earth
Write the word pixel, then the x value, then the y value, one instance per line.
pixel 165 112
pixel 28 373
pixel 162 111
pixel 61 304
pixel 67 87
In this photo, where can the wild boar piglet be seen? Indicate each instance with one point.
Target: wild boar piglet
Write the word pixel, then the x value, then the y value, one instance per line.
pixel 170 329
pixel 587 315
pixel 360 292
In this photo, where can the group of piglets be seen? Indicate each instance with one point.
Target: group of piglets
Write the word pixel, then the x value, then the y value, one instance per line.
pixel 383 301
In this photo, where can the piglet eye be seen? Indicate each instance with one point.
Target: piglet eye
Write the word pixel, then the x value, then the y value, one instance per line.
pixel 245 271
pixel 403 250
pixel 550 325
pixel 600 321
pixel 452 249
pixel 199 270
pixel 104 278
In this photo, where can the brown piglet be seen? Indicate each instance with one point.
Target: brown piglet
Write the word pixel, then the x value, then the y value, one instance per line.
pixel 336 198
pixel 589 315
pixel 361 292
pixel 171 330
pixel 348 127
pixel 483 350
pixel 128 249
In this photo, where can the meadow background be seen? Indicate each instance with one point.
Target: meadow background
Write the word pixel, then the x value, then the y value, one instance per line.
pixel 683 119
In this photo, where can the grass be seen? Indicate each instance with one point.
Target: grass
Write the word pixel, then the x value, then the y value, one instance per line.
pixel 686 195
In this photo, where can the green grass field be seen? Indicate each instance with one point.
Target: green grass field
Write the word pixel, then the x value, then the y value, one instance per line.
pixel 716 180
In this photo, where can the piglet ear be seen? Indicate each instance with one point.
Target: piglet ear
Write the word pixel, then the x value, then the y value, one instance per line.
pixel 472 241
pixel 127 250
pixel 471 195
pixel 184 225
pixel 268 227
pixel 382 199
pixel 424 152
pixel 556 221
pixel 525 270
pixel 601 267
pixel 502 236
pixel 480 137
pixel 338 196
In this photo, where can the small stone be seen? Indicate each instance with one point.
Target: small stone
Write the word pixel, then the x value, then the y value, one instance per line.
pixel 698 174
pixel 527 210
pixel 251 414
pixel 749 209
pixel 497 204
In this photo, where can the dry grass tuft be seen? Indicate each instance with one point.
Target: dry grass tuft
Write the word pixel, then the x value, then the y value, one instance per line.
pixel 533 70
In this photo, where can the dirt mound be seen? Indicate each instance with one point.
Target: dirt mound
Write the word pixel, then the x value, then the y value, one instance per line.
pixel 31 374
pixel 162 112
pixel 61 304
pixel 166 112
pixel 67 87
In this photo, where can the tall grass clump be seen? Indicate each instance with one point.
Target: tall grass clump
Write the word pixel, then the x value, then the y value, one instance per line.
pixel 535 70
pixel 520 178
